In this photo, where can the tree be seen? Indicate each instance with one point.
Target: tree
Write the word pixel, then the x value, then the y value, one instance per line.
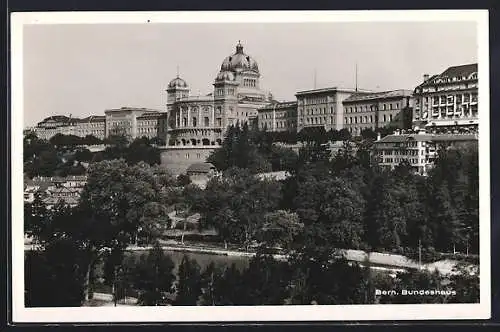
pixel 36 218
pixel 154 277
pixel 237 202
pixel 141 150
pixel 54 277
pixel 344 135
pixel 117 202
pixel 91 140
pixel 190 282
pixel 265 281
pixel 183 180
pixel 210 277
pixel 239 150
pixel 368 134
pixel 280 229
pixel 322 278
pixel 83 155
pixel 228 289
pixel 332 212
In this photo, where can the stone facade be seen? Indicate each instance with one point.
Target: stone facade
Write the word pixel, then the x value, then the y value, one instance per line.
pixel 448 101
pixel 133 122
pixel 60 124
pixel 377 110
pixel 322 107
pixel 278 117
pixel 418 149
pixel 197 124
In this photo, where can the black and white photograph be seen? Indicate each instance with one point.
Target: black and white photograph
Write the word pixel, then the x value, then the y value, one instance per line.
pixel 250 166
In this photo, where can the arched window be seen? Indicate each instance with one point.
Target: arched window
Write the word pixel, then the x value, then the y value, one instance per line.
pixel 185 122
pixel 205 141
pixel 194 121
pixel 207 121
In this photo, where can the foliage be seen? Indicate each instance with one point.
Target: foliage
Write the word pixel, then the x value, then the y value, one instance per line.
pixel 55 276
pixel 190 282
pixel 237 202
pixel 183 180
pixel 331 211
pixel 154 277
pixel 280 228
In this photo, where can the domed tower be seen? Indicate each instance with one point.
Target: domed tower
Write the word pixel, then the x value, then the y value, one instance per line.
pixel 246 73
pixel 177 89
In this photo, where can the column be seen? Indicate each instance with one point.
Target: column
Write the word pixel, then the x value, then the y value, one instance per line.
pixel 274 117
pixel 189 116
pixel 199 117
pixel 213 115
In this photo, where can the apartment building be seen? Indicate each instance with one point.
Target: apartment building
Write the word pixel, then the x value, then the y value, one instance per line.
pixel 448 102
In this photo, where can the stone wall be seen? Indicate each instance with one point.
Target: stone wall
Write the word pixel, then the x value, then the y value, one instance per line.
pixel 177 159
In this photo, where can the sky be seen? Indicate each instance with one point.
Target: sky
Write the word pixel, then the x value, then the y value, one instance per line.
pixel 84 69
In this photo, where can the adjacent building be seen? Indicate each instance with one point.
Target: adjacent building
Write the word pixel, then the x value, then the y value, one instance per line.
pixel 448 102
pixel 133 122
pixel 418 149
pixel 322 107
pixel 377 110
pixel 278 116
pixel 55 189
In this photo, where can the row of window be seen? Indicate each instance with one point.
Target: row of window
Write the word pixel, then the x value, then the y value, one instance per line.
pixel 318 120
pixel 401 152
pixel 279 124
pixel 316 111
pixel 147 122
pixel 277 115
pixel 249 82
pixel 398 160
pixel 366 119
pixel 315 100
pixel 372 108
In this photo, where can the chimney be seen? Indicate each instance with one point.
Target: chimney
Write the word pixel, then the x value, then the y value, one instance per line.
pixel 426 77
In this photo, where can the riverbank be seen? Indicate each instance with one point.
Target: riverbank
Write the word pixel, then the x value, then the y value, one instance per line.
pixel 391 263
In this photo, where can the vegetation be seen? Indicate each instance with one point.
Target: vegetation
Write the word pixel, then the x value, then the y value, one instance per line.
pixel 66 155
pixel 329 202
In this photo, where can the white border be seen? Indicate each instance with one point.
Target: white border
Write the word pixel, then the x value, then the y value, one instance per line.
pixel 246 313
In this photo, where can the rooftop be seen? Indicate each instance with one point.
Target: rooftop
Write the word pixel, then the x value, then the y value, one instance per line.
pixel 378 95
pixel 399 138
pixel 125 108
pixel 461 72
pixel 278 105
pixel 331 89
pixel 200 168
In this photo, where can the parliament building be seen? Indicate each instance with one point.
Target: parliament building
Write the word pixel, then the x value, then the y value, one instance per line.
pixel 197 124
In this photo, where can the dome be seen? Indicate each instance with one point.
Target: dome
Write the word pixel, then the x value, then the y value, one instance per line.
pixel 239 60
pixel 225 76
pixel 177 83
